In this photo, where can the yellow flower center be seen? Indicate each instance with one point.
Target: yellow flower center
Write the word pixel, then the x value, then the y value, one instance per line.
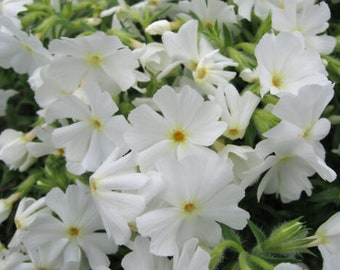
pixel 277 80
pixel 178 136
pixel 96 124
pixel 189 208
pixel 73 232
pixel 201 73
pixel 94 60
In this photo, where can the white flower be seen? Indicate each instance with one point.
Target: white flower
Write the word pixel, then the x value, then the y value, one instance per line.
pixel 46 146
pixel 46 257
pixel 196 54
pixel 209 12
pixel 6 206
pixel 261 8
pixel 300 116
pixel 288 266
pixel 95 132
pixel 98 57
pixel 328 238
pixel 12 260
pixel 158 27
pixel 330 259
pixel 20 51
pixel 13 150
pixel 285 65
pixel 11 8
pixel 187 126
pixel 26 213
pixel 294 161
pixel 48 88
pixel 243 158
pixel 198 193
pixel 4 96
pixel 112 187
pixel 192 257
pixel 155 57
pixel 329 233
pixel 76 231
pixel 141 257
pixel 236 110
pixel 293 18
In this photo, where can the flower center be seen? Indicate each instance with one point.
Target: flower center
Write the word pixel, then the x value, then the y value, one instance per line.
pixel 189 208
pixel 73 232
pixel 94 59
pixel 27 47
pixel 96 123
pixel 178 136
pixel 276 81
pixel 201 73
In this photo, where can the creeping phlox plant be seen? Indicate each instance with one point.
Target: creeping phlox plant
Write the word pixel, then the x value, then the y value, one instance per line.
pixel 157 134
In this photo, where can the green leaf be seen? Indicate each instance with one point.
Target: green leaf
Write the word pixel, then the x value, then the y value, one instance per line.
pixel 265 27
pixel 228 38
pixel 257 232
pixel 229 234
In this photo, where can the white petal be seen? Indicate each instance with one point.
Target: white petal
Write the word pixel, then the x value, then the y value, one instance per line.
pixel 162 226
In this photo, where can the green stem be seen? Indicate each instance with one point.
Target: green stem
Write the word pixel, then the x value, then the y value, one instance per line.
pixel 262 263
pixel 242 259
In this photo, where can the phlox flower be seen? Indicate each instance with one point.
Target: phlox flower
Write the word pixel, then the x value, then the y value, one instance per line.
pixel 288 266
pixel 13 149
pixel 300 116
pixel 97 57
pixel 20 51
pixel 209 12
pixel 45 146
pixel 293 18
pixel 155 58
pixel 261 8
pixel 12 259
pixel 46 257
pixel 6 206
pixel 236 110
pixel 328 235
pixel 187 126
pixel 112 189
pixel 11 8
pixel 191 257
pixel 243 159
pixel 292 164
pixel 198 192
pixel 4 96
pixel 27 211
pixel 73 232
pixel 95 133
pixel 285 65
pixel 197 55
pixel 141 257
pixel 48 88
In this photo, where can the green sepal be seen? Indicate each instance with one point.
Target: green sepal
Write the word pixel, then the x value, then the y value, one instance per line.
pixel 229 234
pixel 257 232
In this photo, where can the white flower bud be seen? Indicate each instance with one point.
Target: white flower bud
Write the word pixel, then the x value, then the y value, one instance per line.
pixel 158 27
